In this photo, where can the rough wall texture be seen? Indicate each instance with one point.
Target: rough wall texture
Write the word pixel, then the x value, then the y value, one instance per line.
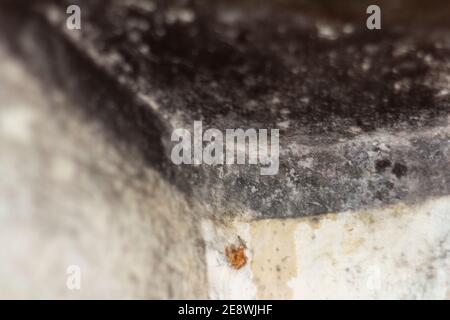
pixel 347 100
pixel 399 252
pixel 68 197
pixel 86 178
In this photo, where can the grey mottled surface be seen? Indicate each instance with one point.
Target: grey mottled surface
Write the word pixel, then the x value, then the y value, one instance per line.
pixel 364 114
pixel 69 197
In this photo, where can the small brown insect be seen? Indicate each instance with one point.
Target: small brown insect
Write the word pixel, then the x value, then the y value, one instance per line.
pixel 236 256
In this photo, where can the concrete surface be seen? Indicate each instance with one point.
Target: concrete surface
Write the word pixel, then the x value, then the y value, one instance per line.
pixel 67 197
pixel 399 252
pixel 346 99
pixel 360 208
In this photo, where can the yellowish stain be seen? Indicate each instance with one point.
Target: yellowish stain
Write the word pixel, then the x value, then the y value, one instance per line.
pixel 274 258
pixel 352 245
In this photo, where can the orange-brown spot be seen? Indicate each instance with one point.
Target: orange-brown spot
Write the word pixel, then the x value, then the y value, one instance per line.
pixel 236 256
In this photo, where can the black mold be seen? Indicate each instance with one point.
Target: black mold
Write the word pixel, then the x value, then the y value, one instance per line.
pixel 400 170
pixel 265 65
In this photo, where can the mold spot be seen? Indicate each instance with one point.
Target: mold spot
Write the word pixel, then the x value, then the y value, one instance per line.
pixel 382 165
pixel 400 170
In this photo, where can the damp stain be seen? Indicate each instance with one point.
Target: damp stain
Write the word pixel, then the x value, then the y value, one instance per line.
pixel 273 258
